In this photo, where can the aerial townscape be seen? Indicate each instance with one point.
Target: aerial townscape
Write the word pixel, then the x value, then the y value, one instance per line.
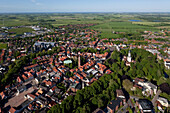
pixel 89 62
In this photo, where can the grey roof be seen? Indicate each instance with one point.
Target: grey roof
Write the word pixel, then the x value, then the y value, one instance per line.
pixel 49 93
pixel 114 103
pixel 145 104
pixel 45 43
pixel 21 88
pixel 98 110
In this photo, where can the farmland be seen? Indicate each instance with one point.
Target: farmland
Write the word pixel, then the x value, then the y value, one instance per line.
pixel 109 27
pixel 106 22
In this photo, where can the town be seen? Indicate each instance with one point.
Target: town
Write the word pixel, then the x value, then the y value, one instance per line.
pixel 72 69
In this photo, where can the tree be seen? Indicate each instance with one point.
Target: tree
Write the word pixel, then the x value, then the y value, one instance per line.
pixel 100 103
pixel 34 61
pixel 127 84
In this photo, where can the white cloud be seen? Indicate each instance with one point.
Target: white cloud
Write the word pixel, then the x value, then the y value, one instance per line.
pixel 38 4
pixel 35 2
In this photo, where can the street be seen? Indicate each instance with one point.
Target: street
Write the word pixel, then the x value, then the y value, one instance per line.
pixel 156 97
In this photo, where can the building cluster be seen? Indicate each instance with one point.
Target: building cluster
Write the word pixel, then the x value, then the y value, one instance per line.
pixel 50 80
pixel 148 89
pixel 36 30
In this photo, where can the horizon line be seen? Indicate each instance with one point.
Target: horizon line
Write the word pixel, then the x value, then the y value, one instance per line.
pixel 77 12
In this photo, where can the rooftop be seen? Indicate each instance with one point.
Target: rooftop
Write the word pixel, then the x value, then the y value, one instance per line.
pixel 145 104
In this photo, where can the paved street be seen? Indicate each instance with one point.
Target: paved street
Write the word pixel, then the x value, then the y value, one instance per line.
pixel 156 97
pixel 123 108
pixel 131 105
pixel 134 97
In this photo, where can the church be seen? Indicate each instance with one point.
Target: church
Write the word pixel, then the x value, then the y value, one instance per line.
pixel 128 59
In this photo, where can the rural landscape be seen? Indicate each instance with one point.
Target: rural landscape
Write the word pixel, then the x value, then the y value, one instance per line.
pixel 85 62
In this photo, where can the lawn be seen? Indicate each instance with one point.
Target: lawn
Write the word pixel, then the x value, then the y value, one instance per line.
pixel 3 45
pixel 19 31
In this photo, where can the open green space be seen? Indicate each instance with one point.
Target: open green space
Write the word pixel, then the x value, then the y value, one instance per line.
pixel 19 31
pixel 108 28
pixel 3 45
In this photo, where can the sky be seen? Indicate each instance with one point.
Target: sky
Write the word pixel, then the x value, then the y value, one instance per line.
pixel 10 6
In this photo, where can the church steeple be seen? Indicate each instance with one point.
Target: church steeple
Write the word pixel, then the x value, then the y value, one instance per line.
pixel 129 59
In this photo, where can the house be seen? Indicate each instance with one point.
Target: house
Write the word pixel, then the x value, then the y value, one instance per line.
pixel 12 110
pixel 19 80
pixel 39 92
pixel 52 103
pixel 147 87
pixel 144 105
pixel 114 105
pixel 49 94
pixel 30 96
pixel 48 83
pixel 162 102
pixel 76 86
pixel 42 101
pixel 108 71
pixel 120 94
pixel 167 64
pixel 2 95
pixel 57 91
pixel 98 110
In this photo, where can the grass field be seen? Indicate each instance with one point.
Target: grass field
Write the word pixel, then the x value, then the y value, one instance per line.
pixel 19 31
pixel 151 23
pixel 3 45
pixel 109 27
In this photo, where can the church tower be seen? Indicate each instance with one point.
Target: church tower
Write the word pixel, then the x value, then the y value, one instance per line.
pixel 129 59
pixel 79 61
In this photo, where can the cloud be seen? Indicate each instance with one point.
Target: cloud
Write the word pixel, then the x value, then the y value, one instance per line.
pixel 38 4
pixel 35 2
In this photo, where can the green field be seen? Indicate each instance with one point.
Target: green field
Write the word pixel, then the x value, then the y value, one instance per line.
pixel 152 23
pixel 107 22
pixel 109 27
pixel 19 31
pixel 3 45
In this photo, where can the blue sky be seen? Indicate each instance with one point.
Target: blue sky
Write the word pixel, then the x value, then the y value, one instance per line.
pixel 84 6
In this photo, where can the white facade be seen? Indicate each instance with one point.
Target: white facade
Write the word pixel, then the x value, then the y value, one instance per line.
pixel 148 87
pixel 163 101
pixel 129 59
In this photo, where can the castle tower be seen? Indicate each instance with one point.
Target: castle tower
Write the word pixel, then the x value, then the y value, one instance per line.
pixel 129 59
pixel 79 61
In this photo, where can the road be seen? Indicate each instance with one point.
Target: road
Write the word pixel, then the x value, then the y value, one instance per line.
pixel 156 97
pixel 123 108
pixel 131 105
pixel 134 97
pixel 128 104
